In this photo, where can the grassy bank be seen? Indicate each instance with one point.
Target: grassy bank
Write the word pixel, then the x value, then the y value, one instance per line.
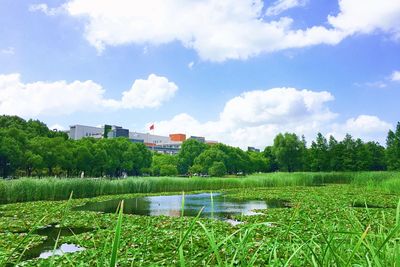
pixel 26 189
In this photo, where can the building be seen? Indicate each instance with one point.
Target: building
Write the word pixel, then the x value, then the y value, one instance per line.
pixel 117 131
pixel 162 144
pixel 252 149
pixel 77 132
pixel 210 142
pixel 177 137
pixel 199 138
pixel 149 138
pixel 165 148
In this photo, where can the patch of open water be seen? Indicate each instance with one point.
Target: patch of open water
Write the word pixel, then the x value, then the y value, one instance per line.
pixel 218 206
pixel 45 249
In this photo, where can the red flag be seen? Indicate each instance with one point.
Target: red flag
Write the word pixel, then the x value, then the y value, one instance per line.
pixel 152 127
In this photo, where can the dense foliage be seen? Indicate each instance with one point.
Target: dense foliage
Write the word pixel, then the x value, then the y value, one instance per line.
pixel 29 148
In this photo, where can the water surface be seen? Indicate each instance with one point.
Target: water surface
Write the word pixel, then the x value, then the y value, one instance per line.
pixel 220 206
pixel 45 249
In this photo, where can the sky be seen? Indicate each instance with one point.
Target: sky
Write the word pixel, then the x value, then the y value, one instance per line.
pixel 237 72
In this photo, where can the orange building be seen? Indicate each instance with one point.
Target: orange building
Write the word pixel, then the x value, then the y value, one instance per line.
pixel 177 137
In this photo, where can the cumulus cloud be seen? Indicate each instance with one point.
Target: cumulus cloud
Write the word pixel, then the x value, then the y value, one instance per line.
pixel 254 118
pixel 61 97
pixel 367 16
pixel 149 93
pixel 282 5
pixel 277 105
pixel 395 76
pixel 366 126
pixel 233 29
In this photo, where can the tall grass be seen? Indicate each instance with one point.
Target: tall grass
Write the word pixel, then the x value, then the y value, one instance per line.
pixel 29 189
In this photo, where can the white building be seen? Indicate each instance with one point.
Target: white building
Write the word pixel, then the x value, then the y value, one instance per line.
pixel 77 132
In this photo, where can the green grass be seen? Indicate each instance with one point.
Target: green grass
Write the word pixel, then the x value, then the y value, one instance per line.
pixel 27 189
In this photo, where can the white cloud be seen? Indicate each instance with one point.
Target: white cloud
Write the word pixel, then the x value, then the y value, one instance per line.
pixel 377 84
pixel 367 127
pixel 149 93
pixel 277 105
pixel 8 51
pixel 280 6
pixel 254 118
pixel 190 65
pixel 395 76
pixel 45 9
pixel 57 127
pixel 367 16
pixel 232 29
pixel 60 97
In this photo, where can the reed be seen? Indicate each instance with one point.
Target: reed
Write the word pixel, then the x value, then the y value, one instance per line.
pixel 30 189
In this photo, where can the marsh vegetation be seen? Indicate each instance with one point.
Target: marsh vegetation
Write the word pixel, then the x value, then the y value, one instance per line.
pixel 326 224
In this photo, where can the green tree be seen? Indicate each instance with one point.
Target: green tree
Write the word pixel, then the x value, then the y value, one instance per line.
pixel 190 149
pixel 84 157
pixel 269 155
pixel 393 149
pixel 288 151
pixel 164 165
pixel 207 158
pixel 11 154
pixel 319 158
pixel 375 157
pixel 32 162
pixel 217 169
pixel 258 162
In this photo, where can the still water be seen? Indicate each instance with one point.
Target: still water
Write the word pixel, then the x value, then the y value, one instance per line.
pixel 45 249
pixel 219 206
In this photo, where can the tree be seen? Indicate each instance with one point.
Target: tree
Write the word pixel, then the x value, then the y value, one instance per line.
pixel 288 152
pixel 393 149
pixel 11 154
pixel 168 170
pixel 258 163
pixel 190 149
pixel 164 165
pixel 319 158
pixel 375 157
pixel 33 162
pixel 53 152
pixel 217 169
pixel 207 158
pixel 269 155
pixel 84 157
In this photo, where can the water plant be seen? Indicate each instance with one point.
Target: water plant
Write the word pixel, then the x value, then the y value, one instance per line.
pixel 59 189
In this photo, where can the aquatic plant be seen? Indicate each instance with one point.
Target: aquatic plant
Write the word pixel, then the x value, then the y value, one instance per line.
pixel 29 189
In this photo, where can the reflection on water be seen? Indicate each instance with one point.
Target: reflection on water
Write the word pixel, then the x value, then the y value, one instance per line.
pixel 220 207
pixel 64 248
pixel 45 249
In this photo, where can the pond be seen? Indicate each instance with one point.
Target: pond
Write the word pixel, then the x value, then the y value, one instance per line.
pixel 219 206
pixel 45 249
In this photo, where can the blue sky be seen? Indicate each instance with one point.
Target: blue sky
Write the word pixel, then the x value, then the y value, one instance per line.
pixel 237 72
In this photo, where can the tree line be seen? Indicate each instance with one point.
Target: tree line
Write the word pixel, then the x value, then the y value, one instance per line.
pixel 29 148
